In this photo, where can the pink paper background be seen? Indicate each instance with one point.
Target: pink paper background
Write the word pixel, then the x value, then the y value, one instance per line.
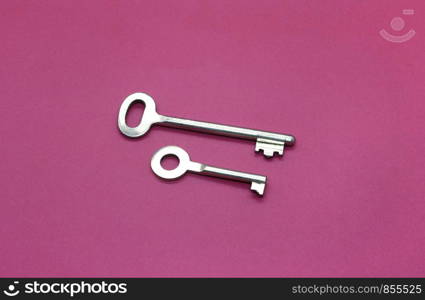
pixel 79 199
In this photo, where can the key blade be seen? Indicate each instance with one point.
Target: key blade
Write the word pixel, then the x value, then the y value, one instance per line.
pixel 258 182
pixel 258 187
pixel 269 147
pixel 269 142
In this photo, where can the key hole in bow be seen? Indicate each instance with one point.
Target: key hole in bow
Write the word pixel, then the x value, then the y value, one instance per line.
pixel 170 162
pixel 135 113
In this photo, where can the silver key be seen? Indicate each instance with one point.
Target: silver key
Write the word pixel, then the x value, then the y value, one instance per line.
pixel 258 182
pixel 268 142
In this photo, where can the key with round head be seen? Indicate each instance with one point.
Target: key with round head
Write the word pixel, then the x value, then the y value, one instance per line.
pixel 258 182
pixel 269 142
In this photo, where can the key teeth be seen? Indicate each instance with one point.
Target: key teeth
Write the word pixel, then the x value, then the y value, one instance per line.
pixel 258 187
pixel 268 152
pixel 269 149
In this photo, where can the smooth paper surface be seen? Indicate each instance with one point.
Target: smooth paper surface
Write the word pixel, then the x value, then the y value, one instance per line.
pixel 79 199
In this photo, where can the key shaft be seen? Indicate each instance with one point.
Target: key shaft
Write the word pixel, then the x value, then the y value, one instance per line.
pixel 258 182
pixel 225 130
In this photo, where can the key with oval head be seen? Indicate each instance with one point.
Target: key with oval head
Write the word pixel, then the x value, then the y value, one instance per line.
pixel 258 182
pixel 268 142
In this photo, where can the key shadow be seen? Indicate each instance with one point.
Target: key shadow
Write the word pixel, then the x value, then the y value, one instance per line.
pixel 244 187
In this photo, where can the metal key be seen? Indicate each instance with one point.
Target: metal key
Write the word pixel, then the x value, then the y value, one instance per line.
pixel 258 182
pixel 269 142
